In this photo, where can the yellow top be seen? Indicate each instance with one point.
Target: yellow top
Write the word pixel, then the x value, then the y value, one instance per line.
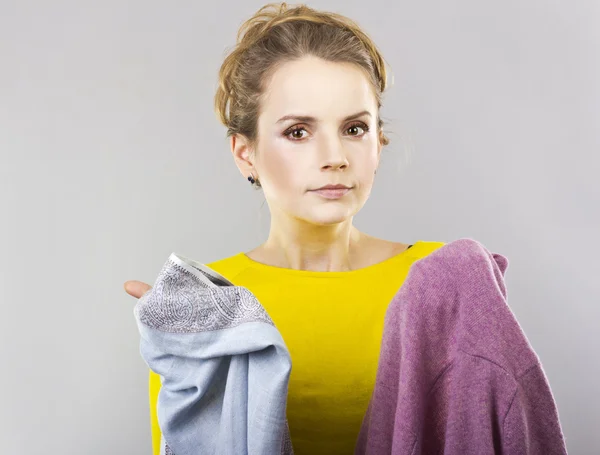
pixel 332 324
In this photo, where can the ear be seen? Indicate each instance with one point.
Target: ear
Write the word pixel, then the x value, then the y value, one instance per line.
pixel 379 148
pixel 242 155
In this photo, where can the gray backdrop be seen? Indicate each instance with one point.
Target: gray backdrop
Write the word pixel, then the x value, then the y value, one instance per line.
pixel 111 158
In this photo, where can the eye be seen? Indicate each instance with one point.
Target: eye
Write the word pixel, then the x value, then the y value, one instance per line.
pixel 295 133
pixel 357 126
pixel 293 130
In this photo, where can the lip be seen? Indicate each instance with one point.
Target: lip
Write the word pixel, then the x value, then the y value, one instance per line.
pixel 332 193
pixel 339 186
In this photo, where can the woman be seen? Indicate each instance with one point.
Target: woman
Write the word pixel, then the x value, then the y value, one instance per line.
pixel 300 96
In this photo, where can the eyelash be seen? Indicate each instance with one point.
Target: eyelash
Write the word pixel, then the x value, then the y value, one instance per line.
pixel 289 131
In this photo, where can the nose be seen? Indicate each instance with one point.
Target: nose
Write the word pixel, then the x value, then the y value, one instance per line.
pixel 332 154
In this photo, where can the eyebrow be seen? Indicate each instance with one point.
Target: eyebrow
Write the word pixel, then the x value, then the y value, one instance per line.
pixel 310 119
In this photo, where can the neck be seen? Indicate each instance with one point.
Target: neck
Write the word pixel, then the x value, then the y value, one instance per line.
pixel 305 246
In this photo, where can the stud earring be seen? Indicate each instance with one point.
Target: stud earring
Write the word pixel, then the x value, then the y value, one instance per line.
pixel 251 179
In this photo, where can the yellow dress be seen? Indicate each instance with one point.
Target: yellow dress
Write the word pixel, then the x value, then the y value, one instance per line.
pixel 332 324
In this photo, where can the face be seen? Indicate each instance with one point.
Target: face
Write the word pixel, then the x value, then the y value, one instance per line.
pixel 317 127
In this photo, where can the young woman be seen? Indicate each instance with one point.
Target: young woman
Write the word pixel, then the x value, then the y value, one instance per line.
pixel 300 96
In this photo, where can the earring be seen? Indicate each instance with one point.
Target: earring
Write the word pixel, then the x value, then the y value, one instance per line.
pixel 251 179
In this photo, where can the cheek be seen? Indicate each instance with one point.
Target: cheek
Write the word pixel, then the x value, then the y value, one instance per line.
pixel 282 169
pixel 365 164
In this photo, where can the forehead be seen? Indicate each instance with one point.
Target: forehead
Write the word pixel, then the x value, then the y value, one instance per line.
pixel 316 87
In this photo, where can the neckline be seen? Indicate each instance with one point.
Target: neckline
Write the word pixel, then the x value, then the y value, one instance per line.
pixel 409 252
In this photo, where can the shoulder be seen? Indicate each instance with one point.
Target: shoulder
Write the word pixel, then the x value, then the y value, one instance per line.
pixel 467 252
pixel 230 266
pixel 416 248
pixel 464 260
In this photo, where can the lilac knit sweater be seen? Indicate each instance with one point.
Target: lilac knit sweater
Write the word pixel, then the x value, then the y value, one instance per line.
pixel 456 374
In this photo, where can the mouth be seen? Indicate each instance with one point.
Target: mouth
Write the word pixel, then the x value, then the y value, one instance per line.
pixel 332 192
pixel 337 186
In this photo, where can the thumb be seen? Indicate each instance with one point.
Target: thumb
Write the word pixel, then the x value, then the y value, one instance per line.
pixel 136 288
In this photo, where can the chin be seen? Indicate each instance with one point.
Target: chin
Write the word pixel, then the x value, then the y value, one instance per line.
pixel 332 214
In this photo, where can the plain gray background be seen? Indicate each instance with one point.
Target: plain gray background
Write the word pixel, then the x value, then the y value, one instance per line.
pixel 111 158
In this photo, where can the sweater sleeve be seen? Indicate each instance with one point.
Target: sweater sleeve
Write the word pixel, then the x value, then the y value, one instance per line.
pixel 531 425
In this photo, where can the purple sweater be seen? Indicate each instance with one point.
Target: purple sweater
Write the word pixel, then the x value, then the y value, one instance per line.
pixel 456 374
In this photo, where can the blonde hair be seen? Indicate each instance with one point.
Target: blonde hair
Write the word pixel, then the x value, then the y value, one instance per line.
pixel 276 34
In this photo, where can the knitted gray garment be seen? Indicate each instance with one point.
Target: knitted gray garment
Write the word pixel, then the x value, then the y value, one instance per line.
pixel 223 365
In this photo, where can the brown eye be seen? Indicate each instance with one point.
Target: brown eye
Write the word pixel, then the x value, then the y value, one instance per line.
pixel 356 127
pixel 297 133
pixel 293 133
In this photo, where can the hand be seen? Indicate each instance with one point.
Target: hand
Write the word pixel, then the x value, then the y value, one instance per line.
pixel 136 288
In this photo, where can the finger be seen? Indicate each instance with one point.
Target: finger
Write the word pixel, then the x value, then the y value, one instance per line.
pixel 136 288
